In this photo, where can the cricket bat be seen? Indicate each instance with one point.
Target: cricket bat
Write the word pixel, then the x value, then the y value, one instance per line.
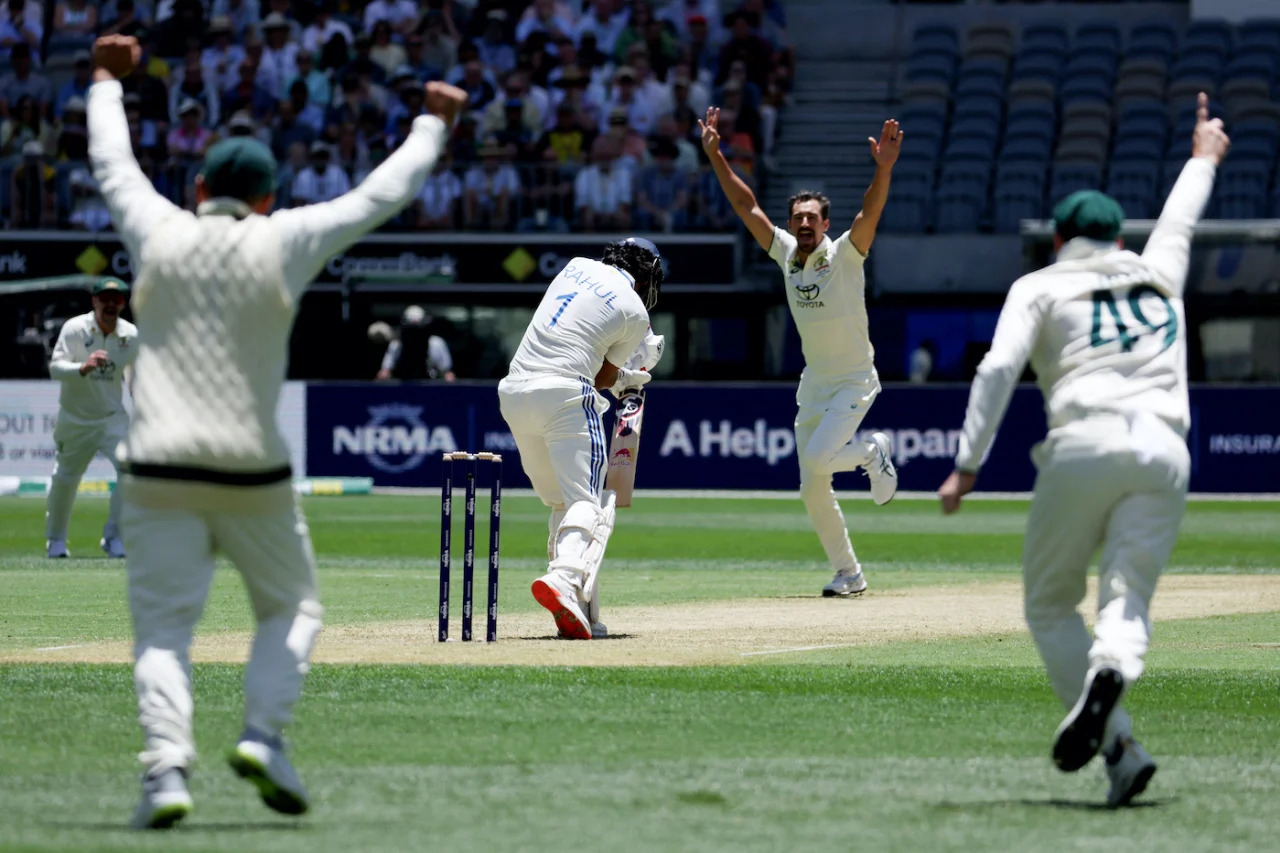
pixel 624 448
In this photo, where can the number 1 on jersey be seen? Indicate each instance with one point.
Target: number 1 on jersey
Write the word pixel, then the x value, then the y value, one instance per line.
pixel 565 299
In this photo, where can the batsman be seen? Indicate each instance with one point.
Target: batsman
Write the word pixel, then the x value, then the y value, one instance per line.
pixel 589 333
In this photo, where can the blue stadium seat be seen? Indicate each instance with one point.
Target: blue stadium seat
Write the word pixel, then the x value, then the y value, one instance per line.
pixel 1149 110
pixel 1104 34
pixel 976 104
pixel 1260 32
pixel 1041 111
pixel 1156 39
pixel 1253 149
pixel 919 112
pixel 1205 65
pixel 1037 66
pixel 1252 64
pixel 1144 149
pixel 915 172
pixel 1134 185
pixel 907 211
pixel 1086 88
pixel 1026 149
pixel 939 37
pixel 1267 131
pixel 1091 63
pixel 958 212
pixel 931 66
pixel 975 127
pixel 926 141
pixel 1207 34
pixel 1240 190
pixel 1173 165
pixel 1072 177
pixel 1014 204
pixel 1013 173
pixel 969 150
pixel 1045 38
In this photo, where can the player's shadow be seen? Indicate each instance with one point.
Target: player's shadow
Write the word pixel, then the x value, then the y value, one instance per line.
pixel 186 827
pixel 1055 803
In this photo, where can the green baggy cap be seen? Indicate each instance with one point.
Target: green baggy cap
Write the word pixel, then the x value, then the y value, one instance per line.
pixel 241 168
pixel 109 283
pixel 1088 213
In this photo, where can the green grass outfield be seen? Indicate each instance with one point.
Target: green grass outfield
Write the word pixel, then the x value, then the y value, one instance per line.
pixel 888 742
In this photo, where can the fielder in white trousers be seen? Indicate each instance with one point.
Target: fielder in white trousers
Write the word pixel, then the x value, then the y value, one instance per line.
pixel 1105 331
pixel 206 468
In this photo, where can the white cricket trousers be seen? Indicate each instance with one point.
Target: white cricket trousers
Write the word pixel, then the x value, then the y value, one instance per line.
pixel 826 423
pixel 172 530
pixel 77 443
pixel 1112 483
pixel 558 428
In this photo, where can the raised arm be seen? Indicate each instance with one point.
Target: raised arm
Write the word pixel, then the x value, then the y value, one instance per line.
pixel 885 152
pixel 1168 250
pixel 735 189
pixel 136 208
pixel 313 234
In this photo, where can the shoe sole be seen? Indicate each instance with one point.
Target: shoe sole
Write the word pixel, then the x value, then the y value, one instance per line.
pixel 1139 785
pixel 165 817
pixel 276 798
pixel 882 442
pixel 1080 736
pixel 831 593
pixel 571 627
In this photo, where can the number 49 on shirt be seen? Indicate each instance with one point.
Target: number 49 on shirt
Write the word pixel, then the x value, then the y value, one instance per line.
pixel 1128 331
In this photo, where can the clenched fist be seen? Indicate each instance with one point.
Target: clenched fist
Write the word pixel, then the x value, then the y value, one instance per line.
pixel 115 56
pixel 445 101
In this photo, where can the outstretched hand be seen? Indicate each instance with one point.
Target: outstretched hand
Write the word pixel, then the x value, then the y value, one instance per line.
pixel 885 151
pixel 710 131
pixel 1209 138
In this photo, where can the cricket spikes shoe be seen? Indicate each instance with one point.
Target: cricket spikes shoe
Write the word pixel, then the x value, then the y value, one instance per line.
pixel 56 549
pixel 846 582
pixel 1129 768
pixel 113 548
pixel 165 800
pixel 561 593
pixel 881 470
pixel 599 631
pixel 1079 736
pixel 261 761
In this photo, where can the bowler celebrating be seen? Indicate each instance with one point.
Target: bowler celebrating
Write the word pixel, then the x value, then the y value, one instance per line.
pixel 89 360
pixel 592 320
pixel 206 469
pixel 825 286
pixel 1105 333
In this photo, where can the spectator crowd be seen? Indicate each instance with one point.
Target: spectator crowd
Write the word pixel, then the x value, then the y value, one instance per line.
pixel 582 116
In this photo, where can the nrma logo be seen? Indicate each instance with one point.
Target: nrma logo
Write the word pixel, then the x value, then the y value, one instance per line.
pixel 394 440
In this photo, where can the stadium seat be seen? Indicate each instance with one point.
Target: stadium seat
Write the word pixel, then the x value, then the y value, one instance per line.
pixel 1091 64
pixel 1204 65
pixel 968 150
pixel 1267 131
pixel 1097 34
pixel 1045 38
pixel 1087 109
pixel 1207 34
pixel 1241 189
pixel 980 105
pixel 1071 177
pixel 1033 89
pixel 1156 40
pixel 1253 64
pixel 1144 149
pixel 928 88
pixel 989 40
pixel 1253 148
pixel 938 37
pixel 1150 109
pixel 1037 66
pixel 931 66
pixel 907 211
pixel 1242 89
pixel 1139 87
pixel 1254 109
pixel 1034 110
pixel 975 127
pixel 1026 149
pixel 1134 185
pixel 1086 127
pixel 1261 33
pixel 1090 87
pixel 1015 200
pixel 980 84
pixel 1082 150
pixel 1186 89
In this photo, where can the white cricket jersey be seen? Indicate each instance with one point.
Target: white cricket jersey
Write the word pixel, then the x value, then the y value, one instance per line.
pixel 1103 328
pixel 215 295
pixel 827 298
pixel 99 394
pixel 590 314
